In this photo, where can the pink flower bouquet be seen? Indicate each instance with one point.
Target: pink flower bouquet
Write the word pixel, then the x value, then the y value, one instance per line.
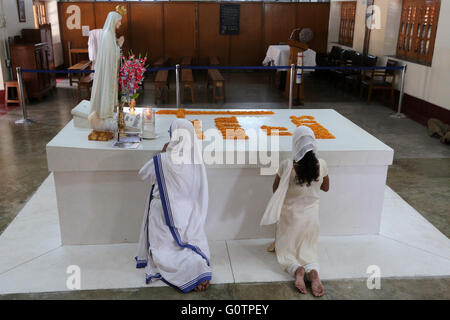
pixel 131 74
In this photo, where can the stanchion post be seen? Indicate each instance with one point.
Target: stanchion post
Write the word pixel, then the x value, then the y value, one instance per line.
pixel 399 114
pixel 25 119
pixel 291 85
pixel 177 79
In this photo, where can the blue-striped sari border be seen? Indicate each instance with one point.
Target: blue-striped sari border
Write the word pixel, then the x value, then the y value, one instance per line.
pixel 167 210
pixel 142 263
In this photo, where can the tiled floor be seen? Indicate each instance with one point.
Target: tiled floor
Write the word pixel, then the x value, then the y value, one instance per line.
pixel 33 259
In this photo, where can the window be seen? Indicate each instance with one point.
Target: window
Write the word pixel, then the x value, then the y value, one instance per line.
pixel 347 27
pixel 40 16
pixel 417 33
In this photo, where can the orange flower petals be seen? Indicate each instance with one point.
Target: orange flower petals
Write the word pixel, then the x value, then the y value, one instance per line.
pixel 278 131
pixel 230 128
pixel 181 112
pixel 320 132
pixel 198 129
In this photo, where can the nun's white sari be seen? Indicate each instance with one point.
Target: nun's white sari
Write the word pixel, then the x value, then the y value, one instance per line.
pixel 295 209
pixel 173 246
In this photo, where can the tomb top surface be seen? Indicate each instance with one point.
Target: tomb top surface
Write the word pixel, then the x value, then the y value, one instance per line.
pixel 351 146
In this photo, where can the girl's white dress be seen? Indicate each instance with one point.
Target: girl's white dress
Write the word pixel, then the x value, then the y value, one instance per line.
pixel 298 226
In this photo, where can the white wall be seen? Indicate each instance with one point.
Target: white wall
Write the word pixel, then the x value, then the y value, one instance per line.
pixel 437 86
pixel 10 13
pixel 334 24
pixel 431 84
pixel 52 16
pixel 13 26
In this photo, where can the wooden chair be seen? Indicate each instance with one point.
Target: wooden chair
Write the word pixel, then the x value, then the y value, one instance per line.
pixel 82 65
pixel 378 80
pixel 76 51
pixel 352 75
pixel 187 82
pixel 85 83
pixel 344 60
pixel 334 56
pixel 355 77
pixel 218 81
pixel 161 86
pixel 14 98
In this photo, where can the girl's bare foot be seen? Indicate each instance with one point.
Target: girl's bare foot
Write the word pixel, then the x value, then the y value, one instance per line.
pixel 300 279
pixel 316 284
pixel 271 248
pixel 202 286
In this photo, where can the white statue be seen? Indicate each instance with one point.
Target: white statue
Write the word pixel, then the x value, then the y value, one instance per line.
pixel 104 94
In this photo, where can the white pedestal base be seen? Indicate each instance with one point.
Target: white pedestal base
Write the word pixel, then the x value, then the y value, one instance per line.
pixel 109 205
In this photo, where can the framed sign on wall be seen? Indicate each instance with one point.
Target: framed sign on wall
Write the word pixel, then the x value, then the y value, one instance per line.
pixel 229 18
pixel 21 10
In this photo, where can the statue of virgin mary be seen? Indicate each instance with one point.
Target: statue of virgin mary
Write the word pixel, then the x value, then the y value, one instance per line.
pixel 104 94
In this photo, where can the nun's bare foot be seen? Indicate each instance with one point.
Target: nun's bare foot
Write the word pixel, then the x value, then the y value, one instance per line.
pixel 316 284
pixel 300 279
pixel 202 286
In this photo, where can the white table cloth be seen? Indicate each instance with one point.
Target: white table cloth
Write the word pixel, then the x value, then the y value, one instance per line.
pixel 278 55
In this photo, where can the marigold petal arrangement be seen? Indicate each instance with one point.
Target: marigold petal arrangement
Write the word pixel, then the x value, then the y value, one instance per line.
pixel 230 128
pixel 277 131
pixel 198 129
pixel 320 131
pixel 182 113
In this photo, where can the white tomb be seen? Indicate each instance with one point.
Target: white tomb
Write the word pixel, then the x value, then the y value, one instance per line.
pixel 101 200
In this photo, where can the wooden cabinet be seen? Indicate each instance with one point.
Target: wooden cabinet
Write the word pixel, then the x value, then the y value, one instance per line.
pixel 33 56
pixel 42 35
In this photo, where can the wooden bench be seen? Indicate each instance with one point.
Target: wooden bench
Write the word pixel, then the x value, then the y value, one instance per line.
pixel 218 81
pixel 161 86
pixel 187 82
pixel 186 61
pixel 161 62
pixel 85 83
pixel 82 65
pixel 214 61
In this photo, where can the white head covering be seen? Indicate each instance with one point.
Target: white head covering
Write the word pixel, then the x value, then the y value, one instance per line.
pixel 303 141
pixel 104 89
pixel 183 146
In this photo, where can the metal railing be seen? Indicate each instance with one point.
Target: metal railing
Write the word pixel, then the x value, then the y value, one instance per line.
pixel 177 68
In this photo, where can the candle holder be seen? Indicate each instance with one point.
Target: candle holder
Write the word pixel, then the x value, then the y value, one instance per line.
pixel 148 123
